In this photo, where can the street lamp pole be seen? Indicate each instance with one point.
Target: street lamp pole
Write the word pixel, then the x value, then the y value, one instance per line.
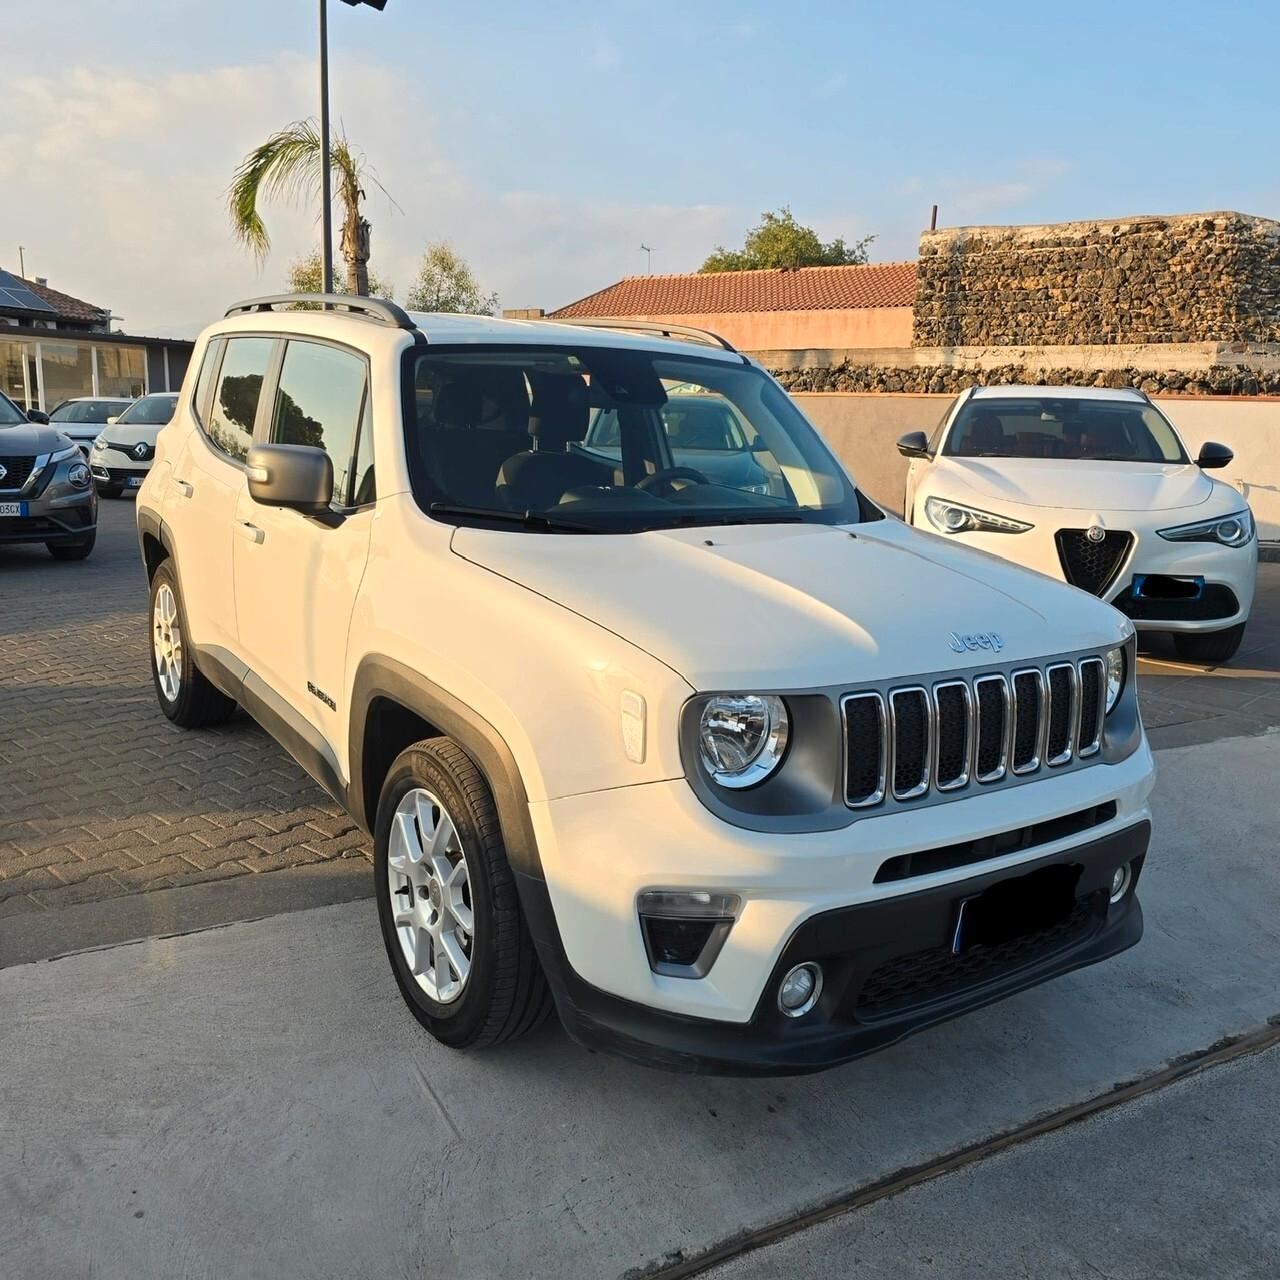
pixel 326 197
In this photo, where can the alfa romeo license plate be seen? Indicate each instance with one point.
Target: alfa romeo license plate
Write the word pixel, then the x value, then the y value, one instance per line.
pixel 13 508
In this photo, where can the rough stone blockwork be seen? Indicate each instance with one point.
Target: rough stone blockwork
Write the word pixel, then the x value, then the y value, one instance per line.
pixel 1220 380
pixel 1191 278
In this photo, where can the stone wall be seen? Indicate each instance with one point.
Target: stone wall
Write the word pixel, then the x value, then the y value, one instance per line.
pixel 1188 278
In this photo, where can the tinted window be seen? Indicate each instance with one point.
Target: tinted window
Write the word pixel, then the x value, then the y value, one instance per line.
pixel 319 403
pixel 150 411
pixel 364 491
pixel 87 410
pixel 613 440
pixel 10 414
pixel 208 367
pixel 1085 430
pixel 235 402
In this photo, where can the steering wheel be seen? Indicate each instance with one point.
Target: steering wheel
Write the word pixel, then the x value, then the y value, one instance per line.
pixel 664 483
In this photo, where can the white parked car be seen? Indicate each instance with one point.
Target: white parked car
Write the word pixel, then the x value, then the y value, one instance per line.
pixel 739 781
pixel 1095 487
pixel 82 417
pixel 122 453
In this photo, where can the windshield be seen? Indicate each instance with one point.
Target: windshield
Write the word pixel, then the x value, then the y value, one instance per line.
pixel 150 411
pixel 87 410
pixel 599 440
pixel 1057 427
pixel 10 414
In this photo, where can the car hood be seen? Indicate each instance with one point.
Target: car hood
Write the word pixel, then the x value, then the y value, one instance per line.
pixel 1076 485
pixel 127 433
pixel 798 606
pixel 31 438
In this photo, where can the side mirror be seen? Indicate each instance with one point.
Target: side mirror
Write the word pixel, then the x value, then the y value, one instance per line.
pixel 915 444
pixel 290 475
pixel 1212 456
pixel 38 416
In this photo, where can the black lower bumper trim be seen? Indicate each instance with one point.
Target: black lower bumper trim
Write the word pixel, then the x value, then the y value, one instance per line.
pixel 889 969
pixel 1215 602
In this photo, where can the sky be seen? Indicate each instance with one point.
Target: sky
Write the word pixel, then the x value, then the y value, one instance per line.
pixel 546 142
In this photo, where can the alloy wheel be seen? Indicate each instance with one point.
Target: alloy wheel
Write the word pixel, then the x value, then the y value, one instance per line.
pixel 166 642
pixel 431 895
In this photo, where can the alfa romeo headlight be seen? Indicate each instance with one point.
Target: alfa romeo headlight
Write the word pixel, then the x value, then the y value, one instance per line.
pixel 743 737
pixel 1234 530
pixel 955 517
pixel 1115 677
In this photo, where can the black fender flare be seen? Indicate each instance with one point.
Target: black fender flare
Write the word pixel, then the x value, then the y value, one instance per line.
pixel 382 677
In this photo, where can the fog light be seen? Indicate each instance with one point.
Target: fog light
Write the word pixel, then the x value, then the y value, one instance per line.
pixel 799 990
pixel 1120 882
pixel 685 929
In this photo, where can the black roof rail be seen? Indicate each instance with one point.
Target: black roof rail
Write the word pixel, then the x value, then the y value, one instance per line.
pixel 659 327
pixel 378 309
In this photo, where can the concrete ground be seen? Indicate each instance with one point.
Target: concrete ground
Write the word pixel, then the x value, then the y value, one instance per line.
pixel 254 1100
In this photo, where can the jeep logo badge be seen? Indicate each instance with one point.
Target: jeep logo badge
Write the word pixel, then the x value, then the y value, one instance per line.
pixel 971 641
pixel 1095 533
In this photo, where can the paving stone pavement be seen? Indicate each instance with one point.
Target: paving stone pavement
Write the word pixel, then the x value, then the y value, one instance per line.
pixel 99 794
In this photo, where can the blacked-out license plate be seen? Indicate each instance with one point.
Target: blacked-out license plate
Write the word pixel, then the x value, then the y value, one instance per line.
pixel 1013 908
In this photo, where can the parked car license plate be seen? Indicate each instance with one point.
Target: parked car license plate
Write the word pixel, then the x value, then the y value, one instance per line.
pixel 13 508
pixel 135 482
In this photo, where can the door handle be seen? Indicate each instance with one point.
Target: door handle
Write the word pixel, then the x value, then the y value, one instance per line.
pixel 184 489
pixel 250 531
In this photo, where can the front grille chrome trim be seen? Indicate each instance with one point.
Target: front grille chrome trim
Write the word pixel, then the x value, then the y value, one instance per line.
pixel 1006 729
pixel 866 802
pixel 962 779
pixel 919 788
pixel 1086 749
pixel 1073 712
pixel 1042 722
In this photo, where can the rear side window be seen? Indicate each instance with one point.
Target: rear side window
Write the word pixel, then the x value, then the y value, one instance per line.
pixel 229 425
pixel 208 368
pixel 321 402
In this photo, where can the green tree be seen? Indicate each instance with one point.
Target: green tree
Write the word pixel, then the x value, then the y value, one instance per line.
pixel 305 277
pixel 780 241
pixel 445 283
pixel 287 165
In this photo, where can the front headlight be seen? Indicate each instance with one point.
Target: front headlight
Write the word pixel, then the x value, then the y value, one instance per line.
pixel 1235 530
pixel 743 737
pixel 64 454
pixel 100 443
pixel 1115 677
pixel 79 476
pixel 954 517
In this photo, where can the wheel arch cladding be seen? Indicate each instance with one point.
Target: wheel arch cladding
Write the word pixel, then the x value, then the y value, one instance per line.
pixel 392 707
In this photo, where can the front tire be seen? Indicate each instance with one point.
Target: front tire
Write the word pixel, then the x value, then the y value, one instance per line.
pixel 1209 646
pixel 451 920
pixel 184 693
pixel 77 550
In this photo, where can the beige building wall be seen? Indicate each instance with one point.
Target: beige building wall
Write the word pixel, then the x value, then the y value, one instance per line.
pixel 791 330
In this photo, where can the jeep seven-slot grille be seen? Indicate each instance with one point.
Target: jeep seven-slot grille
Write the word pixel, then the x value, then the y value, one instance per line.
pixel 967 732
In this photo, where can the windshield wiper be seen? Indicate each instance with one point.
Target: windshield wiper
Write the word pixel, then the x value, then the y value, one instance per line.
pixel 529 519
pixel 728 517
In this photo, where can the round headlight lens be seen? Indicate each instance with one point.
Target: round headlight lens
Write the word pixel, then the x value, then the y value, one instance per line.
pixel 1235 531
pixel 79 476
pixel 743 737
pixel 1115 677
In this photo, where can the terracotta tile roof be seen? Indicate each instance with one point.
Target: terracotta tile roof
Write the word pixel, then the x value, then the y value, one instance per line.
pixel 881 284
pixel 65 305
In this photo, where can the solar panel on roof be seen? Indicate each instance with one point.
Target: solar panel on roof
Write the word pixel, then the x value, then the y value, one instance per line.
pixel 16 296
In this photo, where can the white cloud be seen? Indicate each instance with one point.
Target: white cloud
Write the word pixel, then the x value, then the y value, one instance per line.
pixel 123 182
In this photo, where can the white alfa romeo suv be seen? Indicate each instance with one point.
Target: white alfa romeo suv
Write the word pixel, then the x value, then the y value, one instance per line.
pixel 738 774
pixel 1094 486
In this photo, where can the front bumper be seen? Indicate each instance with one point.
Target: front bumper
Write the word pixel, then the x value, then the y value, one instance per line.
pixel 112 468
pixel 889 969
pixel 56 511
pixel 1229 574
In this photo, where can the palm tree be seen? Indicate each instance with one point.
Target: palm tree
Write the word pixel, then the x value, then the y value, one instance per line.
pixel 287 165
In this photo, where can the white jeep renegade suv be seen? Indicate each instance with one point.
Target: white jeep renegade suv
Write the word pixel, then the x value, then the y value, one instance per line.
pixel 740 774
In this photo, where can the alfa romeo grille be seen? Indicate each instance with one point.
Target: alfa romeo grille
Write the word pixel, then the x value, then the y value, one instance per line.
pixel 1092 566
pixel 969 732
pixel 17 471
